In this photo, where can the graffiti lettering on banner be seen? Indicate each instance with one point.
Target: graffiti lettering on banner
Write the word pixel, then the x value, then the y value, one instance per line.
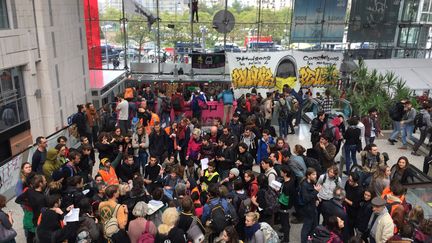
pixel 252 77
pixel 315 77
pixel 9 174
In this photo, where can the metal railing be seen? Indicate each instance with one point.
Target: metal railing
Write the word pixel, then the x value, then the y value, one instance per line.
pixel 10 168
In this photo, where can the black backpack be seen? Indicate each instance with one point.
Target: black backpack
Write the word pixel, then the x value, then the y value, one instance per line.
pixel 395 112
pixel 320 235
pixel 108 122
pixel 329 132
pixel 283 111
pixel 313 163
pixel 166 105
pixel 272 201
pixel 218 218
pixel 419 121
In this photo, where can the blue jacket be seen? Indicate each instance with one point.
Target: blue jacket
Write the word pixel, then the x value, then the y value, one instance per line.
pixel 227 97
pixel 262 149
pixel 208 206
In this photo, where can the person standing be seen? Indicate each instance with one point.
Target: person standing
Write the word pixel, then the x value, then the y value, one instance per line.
pixel 287 193
pixel 352 143
pixel 380 223
pixel 268 109
pixel 372 126
pixel 396 114
pixel 309 196
pixel 317 126
pixel 327 103
pixel 283 111
pixel 123 114
pixel 227 97
pixel 93 122
pixel 39 156
pixel 354 195
pixel 407 124
pixel 427 124
pixel 326 152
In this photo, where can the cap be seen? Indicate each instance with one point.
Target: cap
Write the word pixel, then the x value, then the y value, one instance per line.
pixel 378 202
pixel 236 114
pixel 235 172
pixel 104 160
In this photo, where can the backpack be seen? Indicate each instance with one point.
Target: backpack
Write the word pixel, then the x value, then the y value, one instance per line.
pixel 242 203
pixel 320 235
pixel 313 163
pixel 283 111
pixel 329 132
pixel 272 201
pixel 111 226
pixel 218 218
pixel 129 93
pixel 394 112
pixel 194 233
pixel 146 237
pixel 294 105
pixel 300 200
pixel 391 206
pixel 419 121
pixel 176 103
pixel 270 235
pixel 336 180
pixel 108 122
pixel 166 105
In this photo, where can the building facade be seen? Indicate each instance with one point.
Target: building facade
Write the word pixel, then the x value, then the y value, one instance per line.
pixel 43 69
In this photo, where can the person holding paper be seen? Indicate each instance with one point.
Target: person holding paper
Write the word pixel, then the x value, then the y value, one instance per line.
pixel 208 176
pixel 51 227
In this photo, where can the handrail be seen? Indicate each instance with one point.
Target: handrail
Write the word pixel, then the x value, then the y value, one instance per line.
pixel 31 146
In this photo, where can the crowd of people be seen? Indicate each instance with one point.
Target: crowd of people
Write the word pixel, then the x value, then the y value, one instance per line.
pixel 163 178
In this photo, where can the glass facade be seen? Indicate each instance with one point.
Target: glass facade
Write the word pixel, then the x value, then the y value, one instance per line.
pixel 426 11
pixel 4 21
pixel 13 103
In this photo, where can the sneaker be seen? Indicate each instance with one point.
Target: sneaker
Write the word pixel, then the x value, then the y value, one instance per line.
pixel 415 153
pixel 403 147
pixel 390 141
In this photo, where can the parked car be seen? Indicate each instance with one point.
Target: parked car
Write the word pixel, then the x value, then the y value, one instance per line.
pixel 110 52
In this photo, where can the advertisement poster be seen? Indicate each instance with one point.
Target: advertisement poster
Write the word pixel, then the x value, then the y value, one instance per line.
pixel 318 21
pixel 373 20
pixel 274 69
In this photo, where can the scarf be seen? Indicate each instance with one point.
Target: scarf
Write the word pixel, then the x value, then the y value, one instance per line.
pixel 250 231
pixel 91 117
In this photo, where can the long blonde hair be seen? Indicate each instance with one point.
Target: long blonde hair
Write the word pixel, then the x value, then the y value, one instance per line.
pixel 169 219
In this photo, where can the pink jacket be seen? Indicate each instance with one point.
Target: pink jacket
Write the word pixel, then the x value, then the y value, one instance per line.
pixel 194 148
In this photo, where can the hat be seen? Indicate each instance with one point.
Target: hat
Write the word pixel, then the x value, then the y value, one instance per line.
pixel 236 114
pixel 378 202
pixel 140 209
pixel 104 160
pixel 235 172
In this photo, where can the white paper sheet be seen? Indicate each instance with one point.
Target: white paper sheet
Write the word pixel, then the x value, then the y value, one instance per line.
pixel 204 164
pixel 72 216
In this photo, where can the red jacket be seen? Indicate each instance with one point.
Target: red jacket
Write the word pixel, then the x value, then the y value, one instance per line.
pixel 194 148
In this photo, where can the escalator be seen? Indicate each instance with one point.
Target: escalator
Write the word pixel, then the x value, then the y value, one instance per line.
pixel 419 191
pixel 312 106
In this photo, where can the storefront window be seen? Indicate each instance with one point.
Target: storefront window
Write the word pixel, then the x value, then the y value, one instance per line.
pixel 13 103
